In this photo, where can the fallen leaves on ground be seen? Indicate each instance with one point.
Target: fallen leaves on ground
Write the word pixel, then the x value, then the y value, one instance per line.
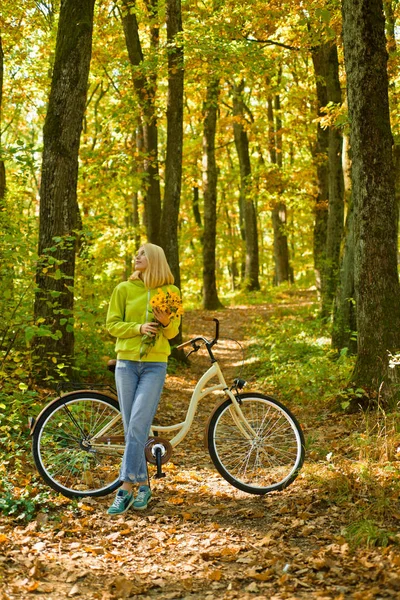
pixel 200 537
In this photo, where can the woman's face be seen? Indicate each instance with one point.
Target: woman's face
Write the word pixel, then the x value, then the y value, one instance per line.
pixel 141 262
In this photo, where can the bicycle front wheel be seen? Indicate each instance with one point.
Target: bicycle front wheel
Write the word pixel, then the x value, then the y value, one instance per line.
pixel 260 454
pixel 77 444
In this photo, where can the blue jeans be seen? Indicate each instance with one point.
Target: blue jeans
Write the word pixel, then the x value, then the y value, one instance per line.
pixel 139 387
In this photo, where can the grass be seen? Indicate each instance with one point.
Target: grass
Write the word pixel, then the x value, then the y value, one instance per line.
pixel 294 356
pixel 367 532
pixel 352 461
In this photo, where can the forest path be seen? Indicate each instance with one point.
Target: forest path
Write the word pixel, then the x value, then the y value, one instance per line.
pixel 202 539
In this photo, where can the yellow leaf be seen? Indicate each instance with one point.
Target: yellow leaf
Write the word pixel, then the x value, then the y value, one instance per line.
pixel 86 507
pixel 228 551
pixel 187 516
pixel 215 575
pixel 176 500
pixel 263 576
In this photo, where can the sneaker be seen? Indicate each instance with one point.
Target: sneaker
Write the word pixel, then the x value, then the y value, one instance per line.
pixel 123 501
pixel 143 498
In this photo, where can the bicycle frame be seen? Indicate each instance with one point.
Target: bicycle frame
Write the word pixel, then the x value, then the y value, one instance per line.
pixel 199 392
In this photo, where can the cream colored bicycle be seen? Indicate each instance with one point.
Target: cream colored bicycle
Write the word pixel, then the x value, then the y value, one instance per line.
pixel 254 441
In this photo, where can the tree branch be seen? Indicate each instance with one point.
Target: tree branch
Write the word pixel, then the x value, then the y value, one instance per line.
pixel 270 43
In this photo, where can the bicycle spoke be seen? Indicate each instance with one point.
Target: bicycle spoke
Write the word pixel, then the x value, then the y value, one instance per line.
pixel 259 451
pixel 63 450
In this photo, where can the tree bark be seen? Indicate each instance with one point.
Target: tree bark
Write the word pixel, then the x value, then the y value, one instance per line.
pixel 173 161
pixel 232 264
pixel 271 131
pixel 376 274
pixel 210 178
pixel 335 225
pixel 59 212
pixel 330 178
pixel 281 250
pixel 195 205
pixel 344 328
pixel 320 156
pixel 279 211
pixel 146 88
pixel 247 204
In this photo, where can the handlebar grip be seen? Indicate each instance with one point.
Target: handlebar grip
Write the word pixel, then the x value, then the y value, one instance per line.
pixel 216 328
pixel 184 344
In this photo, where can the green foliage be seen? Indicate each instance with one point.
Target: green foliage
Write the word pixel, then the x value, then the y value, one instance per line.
pixel 24 497
pixel 19 496
pixel 17 403
pixel 21 504
pixel 293 355
pixel 367 532
pixel 17 269
pixel 347 395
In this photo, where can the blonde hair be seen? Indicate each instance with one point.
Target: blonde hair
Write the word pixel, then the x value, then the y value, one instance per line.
pixel 158 272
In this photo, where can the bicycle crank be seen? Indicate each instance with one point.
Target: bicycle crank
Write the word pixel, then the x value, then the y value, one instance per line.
pixel 158 451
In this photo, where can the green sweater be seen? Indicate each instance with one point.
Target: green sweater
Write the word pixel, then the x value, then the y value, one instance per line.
pixel 129 308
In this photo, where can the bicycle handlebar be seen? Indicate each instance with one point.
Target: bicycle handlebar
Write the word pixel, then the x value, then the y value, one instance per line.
pixel 209 343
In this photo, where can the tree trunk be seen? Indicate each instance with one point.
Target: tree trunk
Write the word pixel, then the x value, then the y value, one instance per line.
pixel 210 177
pixel 145 88
pixel 320 156
pixel 271 132
pixel 247 204
pixel 173 161
pixel 135 196
pixel 2 166
pixel 330 201
pixel 344 328
pixel 195 205
pixel 281 250
pixel 335 225
pixel 279 212
pixel 376 274
pixel 59 212
pixel 232 264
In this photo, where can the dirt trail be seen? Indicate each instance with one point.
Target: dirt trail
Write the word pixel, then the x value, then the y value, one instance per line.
pixel 200 538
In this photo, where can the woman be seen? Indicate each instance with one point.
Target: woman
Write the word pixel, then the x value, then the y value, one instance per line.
pixel 142 351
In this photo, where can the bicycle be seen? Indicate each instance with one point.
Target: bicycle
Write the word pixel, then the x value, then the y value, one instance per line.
pixel 254 441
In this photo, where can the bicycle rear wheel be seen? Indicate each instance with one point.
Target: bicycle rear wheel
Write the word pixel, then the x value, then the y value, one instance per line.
pixel 77 444
pixel 265 458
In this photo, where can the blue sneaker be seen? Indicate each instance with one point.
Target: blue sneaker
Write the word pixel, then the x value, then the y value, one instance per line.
pixel 143 498
pixel 123 501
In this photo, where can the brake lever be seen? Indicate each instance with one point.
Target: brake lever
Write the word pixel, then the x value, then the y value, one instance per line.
pixel 195 347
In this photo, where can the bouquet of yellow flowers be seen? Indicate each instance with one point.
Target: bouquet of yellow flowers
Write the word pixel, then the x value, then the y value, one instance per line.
pixel 169 302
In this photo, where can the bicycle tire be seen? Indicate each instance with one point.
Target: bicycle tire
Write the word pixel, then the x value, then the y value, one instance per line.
pixel 64 451
pixel 267 461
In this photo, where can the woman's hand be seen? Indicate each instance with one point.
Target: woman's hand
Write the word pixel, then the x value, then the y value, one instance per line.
pixel 149 329
pixel 162 316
